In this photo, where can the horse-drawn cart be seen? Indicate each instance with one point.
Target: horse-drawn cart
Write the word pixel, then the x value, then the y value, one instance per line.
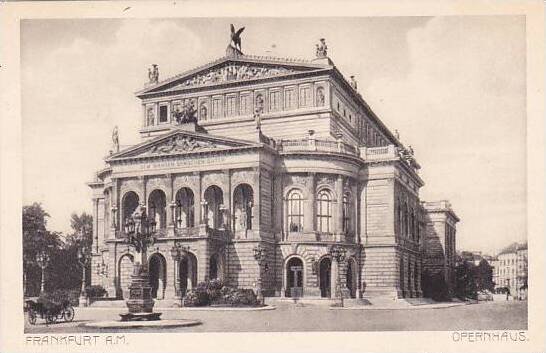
pixel 50 311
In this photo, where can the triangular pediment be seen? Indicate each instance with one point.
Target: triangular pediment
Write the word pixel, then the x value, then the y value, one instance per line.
pixel 235 70
pixel 180 142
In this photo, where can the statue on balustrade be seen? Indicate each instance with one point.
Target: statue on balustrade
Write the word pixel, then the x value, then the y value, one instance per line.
pixel 321 49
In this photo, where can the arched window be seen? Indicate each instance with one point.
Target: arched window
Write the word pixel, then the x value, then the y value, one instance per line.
pixel 346 213
pixel 157 204
pixel 243 202
pixel 203 111
pixel 324 211
pixel 295 211
pixel 214 198
pixel 320 97
pixel 184 213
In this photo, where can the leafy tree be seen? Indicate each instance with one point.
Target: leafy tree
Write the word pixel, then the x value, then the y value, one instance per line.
pixel 465 282
pixel 483 274
pixel 36 238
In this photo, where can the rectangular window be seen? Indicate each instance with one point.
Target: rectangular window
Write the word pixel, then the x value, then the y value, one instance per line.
pixel 216 108
pixel 246 105
pixel 290 99
pixel 163 113
pixel 305 96
pixel 231 106
pixel 275 101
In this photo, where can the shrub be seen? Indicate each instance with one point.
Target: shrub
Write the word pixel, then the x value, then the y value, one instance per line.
pixel 241 297
pixel 95 291
pixel 216 293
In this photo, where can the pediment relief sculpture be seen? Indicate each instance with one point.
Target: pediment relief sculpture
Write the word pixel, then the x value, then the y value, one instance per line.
pixel 180 143
pixel 234 72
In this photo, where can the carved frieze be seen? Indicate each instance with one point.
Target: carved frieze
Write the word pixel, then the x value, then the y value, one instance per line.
pixel 297 180
pixel 180 143
pixel 324 179
pixel 234 72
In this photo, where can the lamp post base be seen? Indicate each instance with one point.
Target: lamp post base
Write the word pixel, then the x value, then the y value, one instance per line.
pixel 140 302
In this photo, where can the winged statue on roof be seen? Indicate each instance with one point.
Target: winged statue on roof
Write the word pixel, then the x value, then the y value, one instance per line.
pixel 236 37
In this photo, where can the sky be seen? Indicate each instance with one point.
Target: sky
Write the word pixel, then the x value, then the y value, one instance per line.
pixel 454 87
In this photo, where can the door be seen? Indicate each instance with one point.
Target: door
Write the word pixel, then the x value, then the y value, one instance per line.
pixel 325 277
pixel 294 280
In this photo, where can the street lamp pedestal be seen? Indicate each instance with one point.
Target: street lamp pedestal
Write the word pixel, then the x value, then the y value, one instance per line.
pixel 83 301
pixel 140 302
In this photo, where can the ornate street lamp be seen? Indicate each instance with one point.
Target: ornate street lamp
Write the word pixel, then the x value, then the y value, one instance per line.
pixel 338 254
pixel 42 259
pixel 260 256
pixel 178 252
pixel 84 258
pixel 140 233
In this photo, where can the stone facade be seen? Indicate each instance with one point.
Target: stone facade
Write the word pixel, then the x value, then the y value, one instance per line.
pixel 440 242
pixel 510 270
pixel 312 166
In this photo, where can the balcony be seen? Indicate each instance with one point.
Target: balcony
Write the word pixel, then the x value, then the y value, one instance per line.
pixel 201 231
pixel 316 145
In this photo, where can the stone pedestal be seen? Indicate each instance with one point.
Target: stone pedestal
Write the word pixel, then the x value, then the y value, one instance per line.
pixel 140 302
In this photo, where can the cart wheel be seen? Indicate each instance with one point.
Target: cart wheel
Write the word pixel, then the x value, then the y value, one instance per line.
pixel 51 318
pixel 32 317
pixel 68 313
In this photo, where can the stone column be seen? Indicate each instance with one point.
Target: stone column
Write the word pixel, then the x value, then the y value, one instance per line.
pixel 338 224
pixel 334 277
pixel 95 226
pixel 171 204
pixel 166 287
pixel 116 208
pixel 227 200
pixel 310 210
pixel 198 219
pixel 256 208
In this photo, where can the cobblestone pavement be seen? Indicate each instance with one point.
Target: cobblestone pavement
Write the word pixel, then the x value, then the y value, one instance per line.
pixel 288 317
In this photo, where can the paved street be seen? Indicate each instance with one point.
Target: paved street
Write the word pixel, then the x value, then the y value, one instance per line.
pixel 287 317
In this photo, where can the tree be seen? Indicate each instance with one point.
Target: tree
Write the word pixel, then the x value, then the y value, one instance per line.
pixel 36 238
pixel 483 274
pixel 465 282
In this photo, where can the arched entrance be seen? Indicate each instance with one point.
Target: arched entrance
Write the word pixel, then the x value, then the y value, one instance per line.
pixel 214 198
pixel 187 273
pixel 325 277
pixel 125 270
pixel 351 277
pixel 243 201
pixel 157 270
pixel 294 277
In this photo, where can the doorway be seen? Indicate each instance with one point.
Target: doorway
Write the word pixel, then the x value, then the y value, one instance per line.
pixel 325 275
pixel 294 277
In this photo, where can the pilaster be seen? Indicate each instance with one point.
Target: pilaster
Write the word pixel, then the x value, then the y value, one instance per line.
pixel 310 216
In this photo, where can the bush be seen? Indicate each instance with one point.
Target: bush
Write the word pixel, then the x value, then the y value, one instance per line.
pixel 196 297
pixel 214 292
pixel 95 291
